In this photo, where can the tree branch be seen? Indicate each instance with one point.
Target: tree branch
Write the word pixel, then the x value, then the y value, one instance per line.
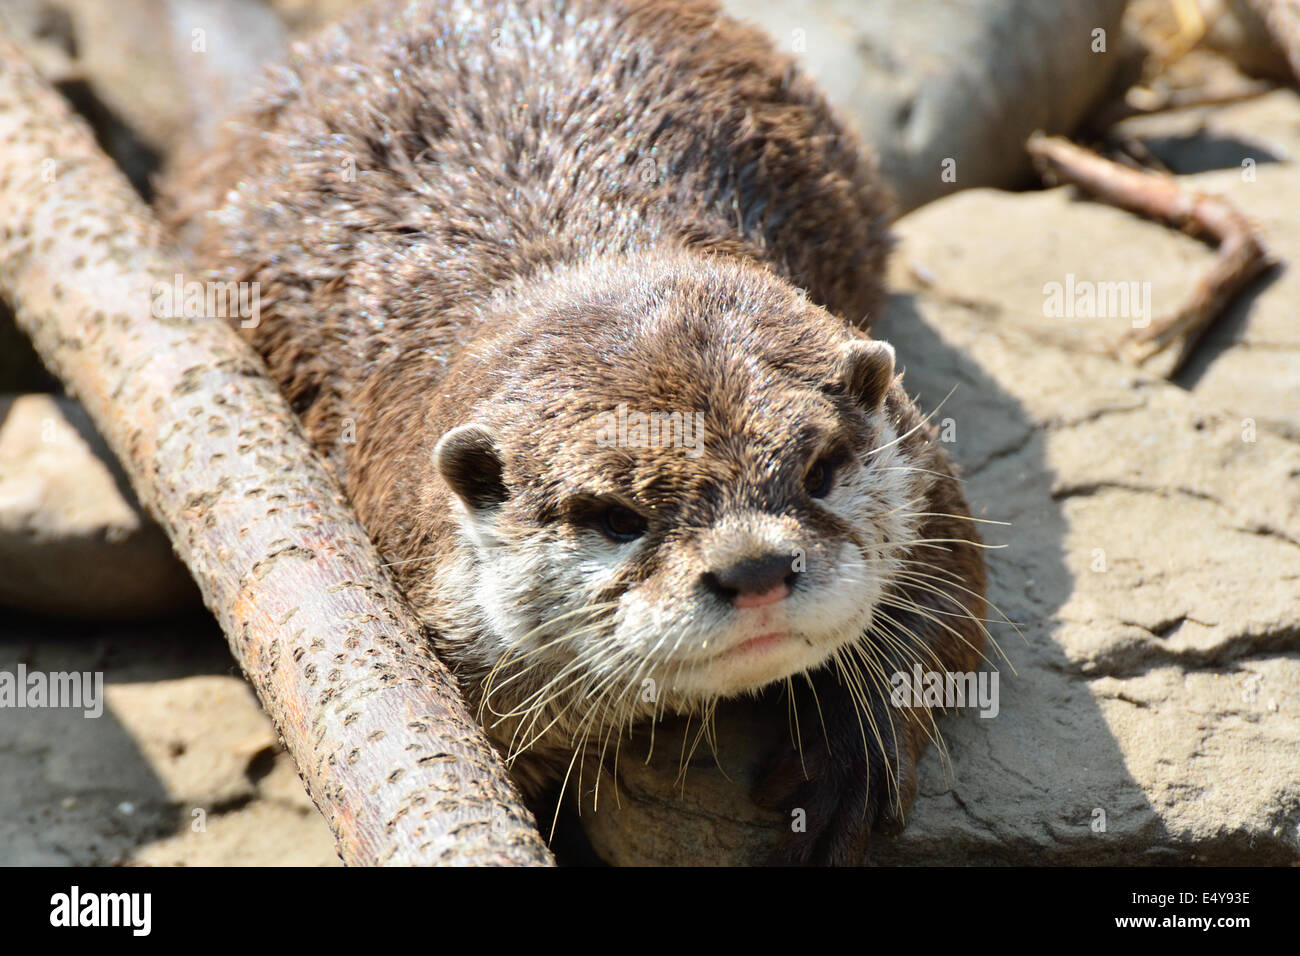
pixel 387 749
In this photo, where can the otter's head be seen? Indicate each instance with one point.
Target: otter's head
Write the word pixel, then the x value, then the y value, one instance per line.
pixel 672 485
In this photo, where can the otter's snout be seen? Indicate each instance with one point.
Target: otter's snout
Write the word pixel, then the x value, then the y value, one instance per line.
pixel 753 581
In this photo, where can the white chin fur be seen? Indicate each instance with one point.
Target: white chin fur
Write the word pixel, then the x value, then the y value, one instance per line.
pixel 832 605
pixel 742 672
pixel 708 661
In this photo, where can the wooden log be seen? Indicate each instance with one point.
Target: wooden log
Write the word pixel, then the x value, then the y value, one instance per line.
pixel 381 737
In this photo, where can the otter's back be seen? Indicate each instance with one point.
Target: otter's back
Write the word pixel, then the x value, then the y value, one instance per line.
pixel 418 155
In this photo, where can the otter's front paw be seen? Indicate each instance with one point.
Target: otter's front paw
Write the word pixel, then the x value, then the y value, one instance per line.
pixel 857 778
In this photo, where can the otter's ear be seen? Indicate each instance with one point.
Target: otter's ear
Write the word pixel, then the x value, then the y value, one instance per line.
pixel 867 370
pixel 469 461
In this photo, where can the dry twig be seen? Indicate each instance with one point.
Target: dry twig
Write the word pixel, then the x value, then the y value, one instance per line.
pixel 1242 255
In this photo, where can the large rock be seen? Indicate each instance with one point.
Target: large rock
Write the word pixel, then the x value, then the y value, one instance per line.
pixel 928 81
pixel 1154 561
pixel 73 540
pixel 1249 362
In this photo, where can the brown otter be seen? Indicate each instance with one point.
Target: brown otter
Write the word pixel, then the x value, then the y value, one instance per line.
pixel 495 244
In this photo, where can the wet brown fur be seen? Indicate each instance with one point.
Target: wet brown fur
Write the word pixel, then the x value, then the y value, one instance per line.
pixel 440 198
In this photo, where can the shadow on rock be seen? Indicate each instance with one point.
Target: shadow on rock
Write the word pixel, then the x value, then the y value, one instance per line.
pixel 91 790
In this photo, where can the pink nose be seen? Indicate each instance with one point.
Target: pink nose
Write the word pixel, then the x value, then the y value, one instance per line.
pixel 778 592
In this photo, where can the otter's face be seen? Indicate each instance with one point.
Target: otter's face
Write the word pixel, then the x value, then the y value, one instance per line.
pixel 695 512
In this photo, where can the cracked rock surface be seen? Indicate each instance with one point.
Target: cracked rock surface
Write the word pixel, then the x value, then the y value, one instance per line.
pixel 1152 564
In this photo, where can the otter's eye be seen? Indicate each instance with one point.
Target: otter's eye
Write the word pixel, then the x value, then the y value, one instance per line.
pixel 820 478
pixel 622 524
